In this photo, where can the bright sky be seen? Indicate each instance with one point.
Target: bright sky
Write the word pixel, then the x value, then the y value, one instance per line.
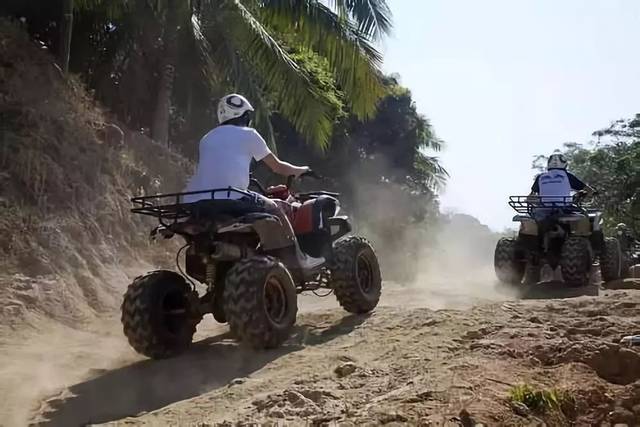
pixel 504 80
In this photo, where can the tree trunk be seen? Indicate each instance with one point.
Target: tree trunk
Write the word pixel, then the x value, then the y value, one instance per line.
pixel 161 116
pixel 65 34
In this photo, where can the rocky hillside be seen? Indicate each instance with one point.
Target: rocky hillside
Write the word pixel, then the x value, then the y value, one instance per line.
pixel 66 174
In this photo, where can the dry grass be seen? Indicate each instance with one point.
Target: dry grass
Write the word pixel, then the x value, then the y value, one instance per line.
pixel 64 187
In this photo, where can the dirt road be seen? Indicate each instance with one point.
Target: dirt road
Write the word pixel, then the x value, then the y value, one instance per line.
pixel 425 355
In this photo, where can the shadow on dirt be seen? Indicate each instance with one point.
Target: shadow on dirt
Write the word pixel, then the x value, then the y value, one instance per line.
pixel 149 385
pixel 623 284
pixel 557 290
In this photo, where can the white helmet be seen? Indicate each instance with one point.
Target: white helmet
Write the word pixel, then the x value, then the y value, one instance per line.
pixel 232 106
pixel 557 161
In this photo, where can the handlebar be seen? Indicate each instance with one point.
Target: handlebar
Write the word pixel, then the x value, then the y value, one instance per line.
pixel 310 173
pixel 583 194
pixel 290 180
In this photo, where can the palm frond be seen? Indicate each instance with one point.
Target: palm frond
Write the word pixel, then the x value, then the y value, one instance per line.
pixel 373 17
pixel 353 60
pixel 246 84
pixel 430 170
pixel 276 72
pixel 211 60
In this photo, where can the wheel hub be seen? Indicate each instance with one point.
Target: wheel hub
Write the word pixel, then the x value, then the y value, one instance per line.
pixel 275 300
pixel 364 273
pixel 174 312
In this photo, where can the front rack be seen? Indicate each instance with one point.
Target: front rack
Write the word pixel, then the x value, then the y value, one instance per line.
pixel 526 204
pixel 173 207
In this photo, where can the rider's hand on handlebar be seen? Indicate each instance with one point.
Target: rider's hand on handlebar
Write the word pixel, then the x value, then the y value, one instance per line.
pixel 309 173
pixel 301 170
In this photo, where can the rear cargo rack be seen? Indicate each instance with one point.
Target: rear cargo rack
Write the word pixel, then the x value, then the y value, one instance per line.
pixel 526 204
pixel 171 207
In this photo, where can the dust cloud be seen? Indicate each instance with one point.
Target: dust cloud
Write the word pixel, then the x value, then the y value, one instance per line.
pixel 436 260
pixel 455 269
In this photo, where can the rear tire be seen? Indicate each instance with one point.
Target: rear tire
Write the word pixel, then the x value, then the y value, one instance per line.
pixel 260 302
pixel 575 262
pixel 158 315
pixel 611 261
pixel 509 269
pixel 355 275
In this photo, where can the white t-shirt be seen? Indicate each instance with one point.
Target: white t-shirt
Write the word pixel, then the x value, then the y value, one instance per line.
pixel 225 158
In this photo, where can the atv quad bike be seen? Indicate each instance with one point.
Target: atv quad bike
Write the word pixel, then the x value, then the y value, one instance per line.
pixel 630 248
pixel 234 248
pixel 560 231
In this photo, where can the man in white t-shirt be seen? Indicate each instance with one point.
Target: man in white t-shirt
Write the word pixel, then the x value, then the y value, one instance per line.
pixel 225 157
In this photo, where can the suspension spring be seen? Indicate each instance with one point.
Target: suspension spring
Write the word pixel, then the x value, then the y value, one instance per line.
pixel 210 275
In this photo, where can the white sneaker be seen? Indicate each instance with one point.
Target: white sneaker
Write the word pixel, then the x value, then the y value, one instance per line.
pixel 557 275
pixel 546 273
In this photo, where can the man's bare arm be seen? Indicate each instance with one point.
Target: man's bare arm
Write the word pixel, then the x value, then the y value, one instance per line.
pixel 283 168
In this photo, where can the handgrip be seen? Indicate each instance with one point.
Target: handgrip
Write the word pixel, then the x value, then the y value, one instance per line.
pixel 310 173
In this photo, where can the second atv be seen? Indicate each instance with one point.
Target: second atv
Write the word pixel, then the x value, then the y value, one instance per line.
pixel 561 232
pixel 230 246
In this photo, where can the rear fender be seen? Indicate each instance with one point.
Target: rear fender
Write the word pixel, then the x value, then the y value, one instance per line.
pixel 528 226
pixel 569 219
pixel 268 228
pixel 580 224
pixel 246 223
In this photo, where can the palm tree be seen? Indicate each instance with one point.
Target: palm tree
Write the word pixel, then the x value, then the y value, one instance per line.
pixel 247 45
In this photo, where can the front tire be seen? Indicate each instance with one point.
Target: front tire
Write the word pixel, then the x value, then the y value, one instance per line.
pixel 260 302
pixel 611 261
pixel 158 314
pixel 509 269
pixel 576 262
pixel 355 274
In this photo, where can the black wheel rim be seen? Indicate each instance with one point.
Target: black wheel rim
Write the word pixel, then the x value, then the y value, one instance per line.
pixel 364 273
pixel 174 312
pixel 275 300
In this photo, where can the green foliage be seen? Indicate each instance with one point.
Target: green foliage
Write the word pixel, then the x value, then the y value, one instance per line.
pixel 310 68
pixel 339 39
pixel 541 400
pixel 118 47
pixel 611 166
pixel 385 171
